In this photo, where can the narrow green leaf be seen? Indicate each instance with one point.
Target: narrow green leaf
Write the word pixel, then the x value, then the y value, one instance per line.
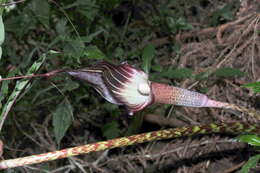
pixel 181 73
pixel 251 163
pixel 91 36
pixel 2 31
pixel 19 87
pixel 255 86
pixel 62 119
pixel 147 56
pixel 176 25
pixel 228 72
pixel 250 139
pixel 5 86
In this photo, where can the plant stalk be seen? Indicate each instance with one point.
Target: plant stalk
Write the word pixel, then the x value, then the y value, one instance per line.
pixel 230 128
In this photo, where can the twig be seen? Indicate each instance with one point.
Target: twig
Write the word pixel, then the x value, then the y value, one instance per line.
pixel 223 27
pixel 232 169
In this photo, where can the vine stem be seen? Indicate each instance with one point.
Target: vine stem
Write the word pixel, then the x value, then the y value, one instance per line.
pixel 233 128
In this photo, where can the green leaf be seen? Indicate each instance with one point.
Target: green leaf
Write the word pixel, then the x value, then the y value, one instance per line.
pixel 182 24
pixel 93 52
pixel 228 72
pixel 250 139
pixel 157 68
pixel 19 87
pixel 225 13
pixel 177 25
pixel 62 119
pixel 90 37
pixel 111 130
pixel 255 86
pixel 41 8
pixel 181 73
pixel 88 8
pixel 202 75
pixel 5 87
pixel 251 163
pixel 147 56
pixel 2 31
pixel 73 48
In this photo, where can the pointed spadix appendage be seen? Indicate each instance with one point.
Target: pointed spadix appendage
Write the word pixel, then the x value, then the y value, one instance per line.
pixel 163 93
pixel 122 84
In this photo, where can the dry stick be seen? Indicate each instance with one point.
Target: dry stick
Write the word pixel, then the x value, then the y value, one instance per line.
pixel 234 128
pixel 223 27
pixel 236 167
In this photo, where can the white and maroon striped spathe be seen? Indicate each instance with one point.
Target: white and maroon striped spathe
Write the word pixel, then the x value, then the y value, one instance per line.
pixel 118 84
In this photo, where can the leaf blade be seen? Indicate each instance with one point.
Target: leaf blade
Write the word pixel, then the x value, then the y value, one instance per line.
pixel 250 139
pixel 255 86
pixel 62 119
pixel 228 72
pixel 250 164
pixel 147 56
pixel 19 87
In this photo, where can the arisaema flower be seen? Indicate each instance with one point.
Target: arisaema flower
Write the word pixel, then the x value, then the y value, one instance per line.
pixel 125 85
